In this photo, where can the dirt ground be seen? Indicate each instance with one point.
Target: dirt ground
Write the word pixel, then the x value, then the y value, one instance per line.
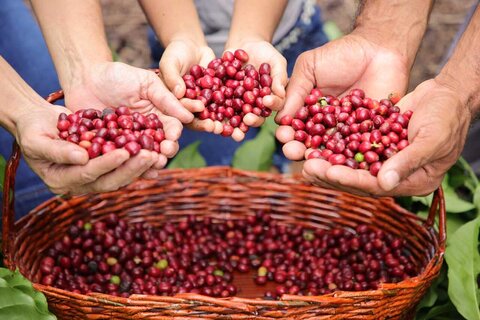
pixel 127 28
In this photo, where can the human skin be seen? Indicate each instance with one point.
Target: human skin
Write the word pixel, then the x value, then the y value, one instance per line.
pixel 63 166
pixel 178 28
pixel 442 108
pixel 76 39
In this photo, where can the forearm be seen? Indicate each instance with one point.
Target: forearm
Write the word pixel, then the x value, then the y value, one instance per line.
pixel 397 25
pixel 259 23
pixel 462 71
pixel 75 36
pixel 16 97
pixel 174 20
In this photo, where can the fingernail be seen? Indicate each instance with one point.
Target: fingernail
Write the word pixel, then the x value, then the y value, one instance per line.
pixel 176 90
pixel 392 179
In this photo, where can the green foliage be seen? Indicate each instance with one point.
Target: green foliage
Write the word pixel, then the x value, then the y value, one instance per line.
pixel 188 157
pixel 331 30
pixel 463 261
pixel 455 294
pixel 2 171
pixel 257 154
pixel 19 300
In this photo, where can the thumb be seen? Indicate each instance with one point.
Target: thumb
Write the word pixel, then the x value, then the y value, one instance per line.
pixel 57 151
pixel 166 102
pixel 299 86
pixel 171 74
pixel 405 163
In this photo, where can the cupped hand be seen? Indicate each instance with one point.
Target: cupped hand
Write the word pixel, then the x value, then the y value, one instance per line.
pixel 65 166
pixel 176 61
pixel 115 84
pixel 335 68
pixel 436 133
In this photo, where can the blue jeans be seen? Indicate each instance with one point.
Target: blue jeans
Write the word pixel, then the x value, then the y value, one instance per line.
pixel 23 47
pixel 218 150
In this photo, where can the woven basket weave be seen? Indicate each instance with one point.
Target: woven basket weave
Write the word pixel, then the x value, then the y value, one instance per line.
pixel 225 193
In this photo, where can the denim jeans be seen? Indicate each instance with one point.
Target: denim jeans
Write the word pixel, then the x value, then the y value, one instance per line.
pixel 218 150
pixel 23 47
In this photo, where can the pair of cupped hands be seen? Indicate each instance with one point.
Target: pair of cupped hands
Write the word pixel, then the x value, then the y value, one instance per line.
pixel 436 131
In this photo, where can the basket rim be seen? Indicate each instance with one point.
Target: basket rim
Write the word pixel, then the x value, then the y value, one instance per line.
pixel 338 296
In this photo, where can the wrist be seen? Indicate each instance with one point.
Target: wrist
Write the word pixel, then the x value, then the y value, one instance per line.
pixel 465 89
pixel 81 73
pixel 238 42
pixel 397 25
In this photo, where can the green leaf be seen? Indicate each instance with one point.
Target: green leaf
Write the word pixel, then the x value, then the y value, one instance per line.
pixel 463 261
pixel 462 175
pixel 444 311
pixel 431 296
pixel 188 157
pixel 256 154
pixel 453 202
pixel 331 30
pixel 270 125
pixel 19 300
pixel 3 165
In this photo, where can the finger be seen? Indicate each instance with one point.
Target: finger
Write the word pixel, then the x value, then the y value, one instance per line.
pixel 161 162
pixel 238 135
pixel 253 120
pixel 55 150
pixel 300 85
pixel 150 174
pixel 192 105
pixel 171 126
pixel 79 175
pixel 169 148
pixel 315 181
pixel 207 125
pixel 171 75
pixel 279 77
pixel 273 102
pixel 218 127
pixel 294 150
pixel 404 163
pixel 166 102
pixel 285 134
pixel 354 181
pixel 123 175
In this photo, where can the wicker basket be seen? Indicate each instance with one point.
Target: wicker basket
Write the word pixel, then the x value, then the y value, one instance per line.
pixel 226 193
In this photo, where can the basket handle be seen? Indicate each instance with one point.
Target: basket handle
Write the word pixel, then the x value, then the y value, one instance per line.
pixel 8 208
pixel 438 204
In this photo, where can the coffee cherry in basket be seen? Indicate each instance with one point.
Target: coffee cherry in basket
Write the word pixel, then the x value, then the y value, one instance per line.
pixel 102 132
pixel 355 131
pixel 230 89
pixel 205 256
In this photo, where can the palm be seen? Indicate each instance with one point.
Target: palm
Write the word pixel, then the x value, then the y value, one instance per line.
pixel 353 62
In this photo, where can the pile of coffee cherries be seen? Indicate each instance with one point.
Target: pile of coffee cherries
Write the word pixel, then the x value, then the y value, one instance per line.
pixel 102 132
pixel 203 255
pixel 230 89
pixel 355 131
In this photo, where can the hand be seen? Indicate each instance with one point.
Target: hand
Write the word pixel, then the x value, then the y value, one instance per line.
pixel 114 84
pixel 436 134
pixel 336 68
pixel 64 166
pixel 260 51
pixel 176 61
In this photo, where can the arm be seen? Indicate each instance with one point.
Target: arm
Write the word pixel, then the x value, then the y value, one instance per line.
pixel 178 28
pixel 255 24
pixel 398 25
pixel 63 166
pixel 252 30
pixel 76 39
pixel 368 58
